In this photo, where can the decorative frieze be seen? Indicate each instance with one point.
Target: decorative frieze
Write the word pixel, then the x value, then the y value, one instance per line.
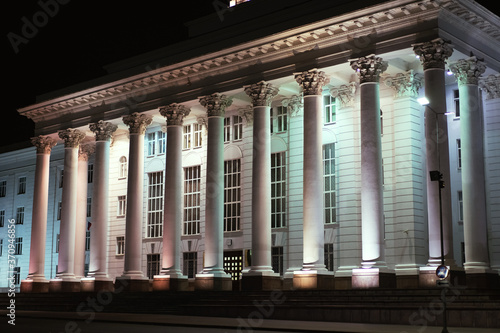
pixel 137 122
pixel 433 54
pixel 491 86
pixel 405 84
pixel 312 81
pixel 344 94
pixel 103 130
pixel 294 104
pixel 72 137
pixel 261 93
pixel 468 71
pixel 215 104
pixel 368 68
pixel 43 144
pixel 175 113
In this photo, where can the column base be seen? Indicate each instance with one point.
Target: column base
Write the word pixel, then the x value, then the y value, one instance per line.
pixel 167 282
pixel 374 277
pixel 482 279
pixel 58 285
pixel 427 277
pixel 313 280
pixel 131 285
pixel 32 286
pixel 261 281
pixel 213 282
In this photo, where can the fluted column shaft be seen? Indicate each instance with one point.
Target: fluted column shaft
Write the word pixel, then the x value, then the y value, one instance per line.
pixel 66 264
pixel 40 204
pixel 473 173
pixel 98 267
pixel 173 207
pixel 135 187
pixel 261 94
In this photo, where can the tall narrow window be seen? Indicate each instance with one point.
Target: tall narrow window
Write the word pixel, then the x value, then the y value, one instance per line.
pixel 2 217
pixel 162 142
pixel 192 196
pixel 227 129
pixel 1 247
pixel 329 109
pixel 277 259
pixel 90 173
pixel 21 186
pixel 153 265
pixel 120 245
pixel 155 205
pixel 197 135
pixel 58 239
pixel 186 133
pixel 20 215
pixel 61 178
pixel 237 128
pixel 122 205
pixel 381 122
pixel 459 154
pixel 329 256
pixel 87 240
pixel 151 138
pixel 232 195
pixel 460 207
pixel 329 183
pixel 59 210
pixel 3 188
pixel 189 264
pixel 123 167
pixel 456 102
pixel 282 119
pixel 17 275
pixel 18 246
pixel 278 190
pixel 89 206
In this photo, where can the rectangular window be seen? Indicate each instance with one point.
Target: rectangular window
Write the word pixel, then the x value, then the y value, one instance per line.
pixel 151 138
pixel 329 256
pixel 460 207
pixel 3 188
pixel 186 132
pixel 58 238
pixel 1 247
pixel 120 245
pixel 21 186
pixel 123 167
pixel 329 183
pixel 227 129
pixel 155 205
pixel 232 195
pixel 237 128
pixel 61 178
pixel 59 209
pixel 87 240
pixel 459 154
pixel 277 259
pixel 190 262
pixel 89 207
pixel 17 275
pixel 192 196
pixel 456 102
pixel 20 215
pixel 162 142
pixel 330 109
pixel 122 205
pixel 153 265
pixel 18 246
pixel 197 135
pixel 272 120
pixel 282 119
pixel 278 190
pixel 2 217
pixel 90 173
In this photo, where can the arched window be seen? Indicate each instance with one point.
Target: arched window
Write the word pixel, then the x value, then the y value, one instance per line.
pixel 123 167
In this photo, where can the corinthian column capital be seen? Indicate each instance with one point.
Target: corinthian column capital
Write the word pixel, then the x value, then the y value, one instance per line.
pixel 369 68
pixel 312 81
pixel 137 122
pixel 72 137
pixel 86 150
pixel 433 54
pixel 102 130
pixel 345 94
pixel 468 71
pixel 43 144
pixel 491 86
pixel 405 84
pixel 175 113
pixel 261 93
pixel 294 104
pixel 215 104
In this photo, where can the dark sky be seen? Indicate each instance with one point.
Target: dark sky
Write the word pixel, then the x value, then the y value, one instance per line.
pixel 80 37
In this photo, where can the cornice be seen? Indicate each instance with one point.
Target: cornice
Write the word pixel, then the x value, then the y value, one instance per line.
pixel 334 31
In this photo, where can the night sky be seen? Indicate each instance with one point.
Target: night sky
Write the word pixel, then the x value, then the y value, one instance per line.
pixel 79 37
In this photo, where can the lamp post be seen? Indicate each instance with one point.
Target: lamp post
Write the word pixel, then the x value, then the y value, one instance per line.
pixel 436 176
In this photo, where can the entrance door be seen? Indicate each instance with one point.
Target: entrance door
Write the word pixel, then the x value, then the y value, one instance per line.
pixel 233 264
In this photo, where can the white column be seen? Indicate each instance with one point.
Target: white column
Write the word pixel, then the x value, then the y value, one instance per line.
pixel 66 264
pixel 81 221
pixel 135 188
pixel 40 203
pixel 312 83
pixel 369 69
pixel 433 56
pixel 262 94
pixel 173 207
pixel 98 267
pixel 214 215
pixel 467 73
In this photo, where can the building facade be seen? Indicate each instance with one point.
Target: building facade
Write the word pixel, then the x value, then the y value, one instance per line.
pixel 307 162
